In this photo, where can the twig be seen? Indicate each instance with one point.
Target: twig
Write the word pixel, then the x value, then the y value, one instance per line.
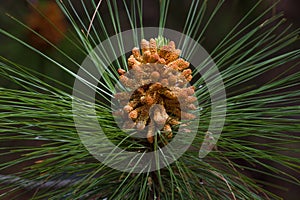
pixel 30 184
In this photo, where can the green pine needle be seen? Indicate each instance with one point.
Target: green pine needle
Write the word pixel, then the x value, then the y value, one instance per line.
pixel 260 137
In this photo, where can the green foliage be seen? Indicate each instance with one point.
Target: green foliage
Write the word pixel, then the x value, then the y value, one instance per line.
pixel 260 136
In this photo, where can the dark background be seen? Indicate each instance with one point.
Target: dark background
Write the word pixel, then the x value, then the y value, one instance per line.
pixel 226 18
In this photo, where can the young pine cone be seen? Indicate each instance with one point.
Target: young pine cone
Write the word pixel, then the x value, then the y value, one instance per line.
pixel 158 96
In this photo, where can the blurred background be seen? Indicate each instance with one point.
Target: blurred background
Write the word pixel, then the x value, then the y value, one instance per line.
pixel 14 14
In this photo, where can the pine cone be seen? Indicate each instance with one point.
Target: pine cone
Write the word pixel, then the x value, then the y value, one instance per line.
pixel 158 96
